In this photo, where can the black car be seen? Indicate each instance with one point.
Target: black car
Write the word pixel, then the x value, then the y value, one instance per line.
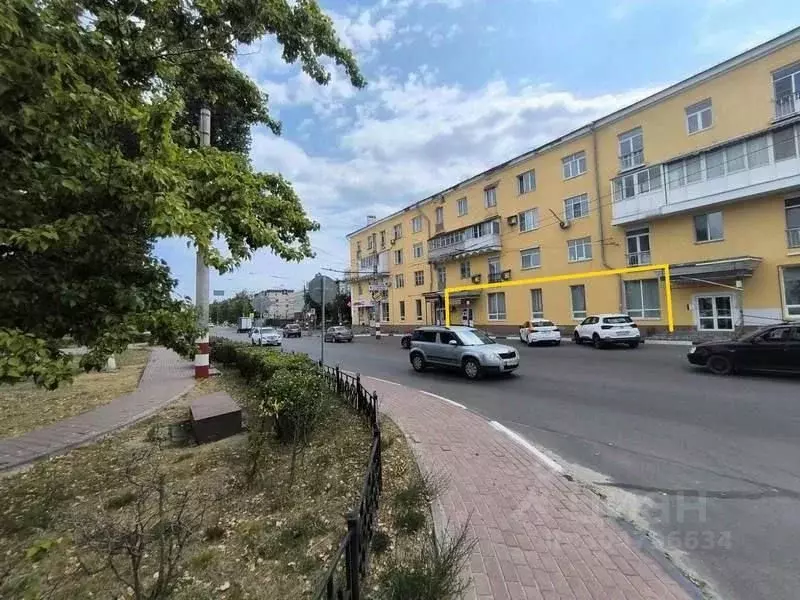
pixel 292 330
pixel 774 349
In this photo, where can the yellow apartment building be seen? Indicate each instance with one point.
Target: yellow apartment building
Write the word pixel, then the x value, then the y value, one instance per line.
pixel 704 176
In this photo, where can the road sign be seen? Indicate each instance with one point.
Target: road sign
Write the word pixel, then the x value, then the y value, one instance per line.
pixel 378 287
pixel 219 292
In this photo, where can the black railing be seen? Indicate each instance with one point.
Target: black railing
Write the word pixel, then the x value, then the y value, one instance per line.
pixel 350 563
pixel 495 277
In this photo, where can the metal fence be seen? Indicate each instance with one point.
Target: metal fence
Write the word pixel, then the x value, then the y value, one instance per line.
pixel 350 563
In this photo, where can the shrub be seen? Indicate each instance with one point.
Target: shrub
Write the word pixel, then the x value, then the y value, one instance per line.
pixel 224 351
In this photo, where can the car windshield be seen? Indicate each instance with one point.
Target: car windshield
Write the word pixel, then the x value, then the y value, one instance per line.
pixel 746 337
pixel 268 330
pixel 620 319
pixel 474 337
pixel 542 324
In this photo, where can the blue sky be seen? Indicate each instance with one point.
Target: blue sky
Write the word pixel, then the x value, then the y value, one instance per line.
pixel 456 86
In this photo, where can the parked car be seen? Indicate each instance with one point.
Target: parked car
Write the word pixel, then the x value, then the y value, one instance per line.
pixel 605 330
pixel 339 333
pixel 292 330
pixel 265 336
pixel 773 349
pixel 405 341
pixel 464 348
pixel 539 331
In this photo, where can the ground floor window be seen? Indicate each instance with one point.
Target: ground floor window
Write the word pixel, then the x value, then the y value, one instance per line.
pixel 402 310
pixel 537 304
pixel 418 307
pixel 715 313
pixel 791 290
pixel 643 299
pixel 578 297
pixel 497 306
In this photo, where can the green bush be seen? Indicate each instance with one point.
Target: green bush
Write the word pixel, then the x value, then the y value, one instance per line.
pixel 224 351
pixel 296 399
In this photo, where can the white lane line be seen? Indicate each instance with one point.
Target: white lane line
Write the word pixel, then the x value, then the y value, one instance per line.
pixel 385 380
pixel 549 462
pixel 453 402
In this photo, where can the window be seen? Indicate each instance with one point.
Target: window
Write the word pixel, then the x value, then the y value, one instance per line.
pixel 643 299
pixel 577 295
pixel 360 290
pixel 631 148
pixel 418 309
pixel 419 278
pixel 417 250
pixel 528 220
pixel 464 269
pixel 786 85
pixel 441 276
pixel 641 182
pixel 490 197
pixel 526 182
pixel 735 158
pixel 698 116
pixel 358 247
pixel 580 249
pixel 462 206
pixel 793 222
pixel 715 164
pixel 497 306
pixel 694 169
pixel 791 290
pixel 402 310
pixel 576 207
pixel 784 142
pixel 398 257
pixel 445 337
pixel 537 304
pixel 399 280
pixel 715 312
pixel 416 224
pixel 675 175
pixel 573 165
pixel 383 239
pixel 757 152
pixel 638 247
pixel 398 231
pixel 369 242
pixel 531 258
pixel 439 215
pixel 494 269
pixel 708 227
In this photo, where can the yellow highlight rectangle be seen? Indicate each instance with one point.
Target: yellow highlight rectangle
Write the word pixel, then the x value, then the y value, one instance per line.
pixel 567 277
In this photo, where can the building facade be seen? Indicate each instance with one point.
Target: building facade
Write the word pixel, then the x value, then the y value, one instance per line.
pixel 704 176
pixel 275 304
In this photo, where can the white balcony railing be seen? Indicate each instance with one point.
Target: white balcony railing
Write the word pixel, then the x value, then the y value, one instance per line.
pixel 788 105
pixel 636 259
pixel 793 237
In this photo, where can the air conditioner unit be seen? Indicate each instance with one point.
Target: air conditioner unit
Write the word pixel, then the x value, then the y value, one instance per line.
pixel 512 220
pixel 506 275
pixel 476 278
pixel 564 224
pixel 392 241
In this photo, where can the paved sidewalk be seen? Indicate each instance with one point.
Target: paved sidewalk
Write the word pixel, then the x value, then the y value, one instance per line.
pixel 166 377
pixel 540 536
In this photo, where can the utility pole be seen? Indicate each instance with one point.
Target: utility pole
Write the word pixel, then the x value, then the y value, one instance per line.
pixel 322 330
pixel 201 276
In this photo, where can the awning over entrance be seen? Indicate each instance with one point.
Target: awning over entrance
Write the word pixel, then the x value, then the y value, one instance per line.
pixel 432 296
pixel 715 270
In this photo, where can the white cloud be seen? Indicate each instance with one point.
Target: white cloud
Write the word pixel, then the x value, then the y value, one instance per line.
pixel 363 31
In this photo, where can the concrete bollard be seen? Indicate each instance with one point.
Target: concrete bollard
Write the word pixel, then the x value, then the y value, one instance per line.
pixel 378 330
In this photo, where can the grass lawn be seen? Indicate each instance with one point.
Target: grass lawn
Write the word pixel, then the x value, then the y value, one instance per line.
pixel 264 540
pixel 25 407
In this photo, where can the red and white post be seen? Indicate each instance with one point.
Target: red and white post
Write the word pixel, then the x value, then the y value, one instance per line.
pixel 201 358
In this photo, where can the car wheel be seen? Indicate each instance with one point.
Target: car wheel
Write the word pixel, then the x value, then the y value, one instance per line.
pixel 633 344
pixel 418 362
pixel 598 343
pixel 577 338
pixel 471 368
pixel 719 365
pixel 558 343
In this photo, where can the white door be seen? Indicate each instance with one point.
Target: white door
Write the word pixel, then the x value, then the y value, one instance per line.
pixel 715 313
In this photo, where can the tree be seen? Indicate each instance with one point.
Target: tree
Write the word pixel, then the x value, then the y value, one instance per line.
pixel 100 159
pixel 231 309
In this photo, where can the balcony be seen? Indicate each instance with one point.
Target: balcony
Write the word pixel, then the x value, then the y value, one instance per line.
pixel 374 264
pixel 787 105
pixel 495 277
pixel 793 237
pixel 469 241
pixel 636 259
pixel 761 165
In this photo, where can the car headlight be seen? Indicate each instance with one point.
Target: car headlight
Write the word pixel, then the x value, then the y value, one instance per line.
pixel 693 349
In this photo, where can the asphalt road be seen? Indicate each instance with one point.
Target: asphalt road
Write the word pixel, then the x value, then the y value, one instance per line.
pixel 718 457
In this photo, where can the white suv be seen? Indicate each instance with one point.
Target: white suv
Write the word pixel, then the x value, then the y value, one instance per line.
pixel 603 330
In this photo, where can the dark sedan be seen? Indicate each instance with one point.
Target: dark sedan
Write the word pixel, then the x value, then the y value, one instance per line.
pixel 338 334
pixel 772 349
pixel 292 330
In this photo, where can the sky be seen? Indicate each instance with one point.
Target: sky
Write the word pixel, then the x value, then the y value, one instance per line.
pixel 455 87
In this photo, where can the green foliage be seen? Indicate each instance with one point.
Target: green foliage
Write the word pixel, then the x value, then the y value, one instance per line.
pixel 435 572
pixel 231 309
pixel 100 156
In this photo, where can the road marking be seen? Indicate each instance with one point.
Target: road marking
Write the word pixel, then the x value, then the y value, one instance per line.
pixel 454 403
pixel 549 462
pixel 385 381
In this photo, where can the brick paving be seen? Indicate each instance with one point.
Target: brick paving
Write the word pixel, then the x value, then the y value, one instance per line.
pixel 166 377
pixel 539 535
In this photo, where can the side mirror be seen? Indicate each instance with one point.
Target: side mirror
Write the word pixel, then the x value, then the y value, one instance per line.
pixel 453 343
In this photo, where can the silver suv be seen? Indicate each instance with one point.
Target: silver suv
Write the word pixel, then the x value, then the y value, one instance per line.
pixel 470 350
